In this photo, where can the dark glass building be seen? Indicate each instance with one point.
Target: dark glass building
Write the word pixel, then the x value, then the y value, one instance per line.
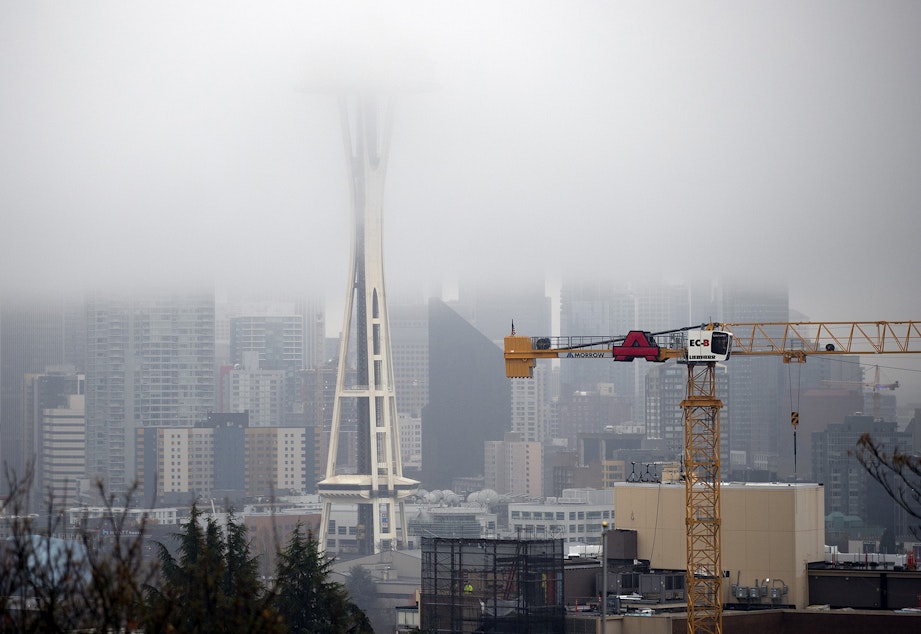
pixel 469 398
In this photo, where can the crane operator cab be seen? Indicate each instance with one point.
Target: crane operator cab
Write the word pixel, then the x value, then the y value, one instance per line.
pixel 709 345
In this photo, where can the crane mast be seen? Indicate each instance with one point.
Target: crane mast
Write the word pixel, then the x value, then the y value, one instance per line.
pixel 701 348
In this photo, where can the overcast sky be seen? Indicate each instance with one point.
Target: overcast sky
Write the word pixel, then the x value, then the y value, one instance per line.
pixel 172 141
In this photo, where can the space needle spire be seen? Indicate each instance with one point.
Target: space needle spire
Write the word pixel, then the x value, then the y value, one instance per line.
pixel 377 486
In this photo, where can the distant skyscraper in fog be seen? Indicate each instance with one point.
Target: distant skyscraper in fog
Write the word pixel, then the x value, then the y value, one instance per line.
pixel 469 398
pixel 756 385
pixel 150 363
pixel 56 418
pixel 268 351
pixel 32 338
pixel 410 345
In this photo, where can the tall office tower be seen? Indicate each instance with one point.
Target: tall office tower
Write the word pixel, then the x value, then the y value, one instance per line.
pixel 757 386
pixel 33 330
pixel 409 339
pixel 277 339
pixel 378 487
pixel 849 489
pixel 594 411
pixel 57 422
pixel 531 405
pixel 271 307
pixel 469 398
pixel 275 460
pixel 278 343
pixel 247 387
pixel 513 466
pixel 150 363
pixel 666 387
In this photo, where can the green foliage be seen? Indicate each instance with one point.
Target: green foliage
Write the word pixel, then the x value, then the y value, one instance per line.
pixel 97 579
pixel 307 601
pixel 212 586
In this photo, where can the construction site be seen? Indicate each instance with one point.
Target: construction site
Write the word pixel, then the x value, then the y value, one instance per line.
pixel 492 585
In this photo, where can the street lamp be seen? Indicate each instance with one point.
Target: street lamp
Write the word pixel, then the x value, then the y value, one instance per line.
pixel 604 577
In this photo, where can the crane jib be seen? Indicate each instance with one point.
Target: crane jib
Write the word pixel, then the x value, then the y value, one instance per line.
pixel 637 344
pixel 570 354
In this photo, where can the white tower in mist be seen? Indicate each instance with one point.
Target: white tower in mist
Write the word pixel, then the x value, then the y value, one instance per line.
pixel 378 487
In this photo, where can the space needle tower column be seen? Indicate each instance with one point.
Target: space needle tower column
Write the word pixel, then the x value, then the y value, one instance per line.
pixel 377 487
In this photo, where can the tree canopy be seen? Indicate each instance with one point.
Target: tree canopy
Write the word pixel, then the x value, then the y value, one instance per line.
pixel 98 579
pixel 307 601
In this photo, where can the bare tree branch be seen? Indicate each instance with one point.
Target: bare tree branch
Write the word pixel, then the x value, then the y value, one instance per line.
pixel 898 472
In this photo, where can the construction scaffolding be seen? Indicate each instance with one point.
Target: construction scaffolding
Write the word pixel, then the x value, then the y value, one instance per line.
pixel 502 586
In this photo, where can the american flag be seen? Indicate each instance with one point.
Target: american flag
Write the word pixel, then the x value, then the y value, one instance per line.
pixel 513 327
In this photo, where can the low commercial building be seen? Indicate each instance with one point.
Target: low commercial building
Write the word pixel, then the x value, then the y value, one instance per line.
pixel 770 534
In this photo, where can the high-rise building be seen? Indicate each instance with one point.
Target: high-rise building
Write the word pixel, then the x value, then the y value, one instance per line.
pixel 849 489
pixel 277 342
pixel 756 385
pixel 666 387
pixel 222 456
pixel 57 409
pixel 513 466
pixel 150 363
pixel 492 310
pixel 275 460
pixel 32 337
pixel 469 398
pixel 411 443
pixel 524 460
pixel 247 387
pixel 593 411
pixel 531 405
pixel 410 345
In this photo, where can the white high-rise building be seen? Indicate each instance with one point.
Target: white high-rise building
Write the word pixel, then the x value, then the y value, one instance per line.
pixel 149 363
pixel 531 405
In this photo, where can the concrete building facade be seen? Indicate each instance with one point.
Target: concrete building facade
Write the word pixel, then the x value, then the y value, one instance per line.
pixel 150 363
pixel 514 466
pixel 62 461
pixel 769 531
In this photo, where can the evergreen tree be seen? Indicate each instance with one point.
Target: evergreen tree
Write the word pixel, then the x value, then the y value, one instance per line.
pixel 242 588
pixel 307 601
pixel 362 591
pixel 362 588
pixel 213 585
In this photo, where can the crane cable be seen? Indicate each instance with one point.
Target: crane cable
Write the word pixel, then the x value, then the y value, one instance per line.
pixel 794 405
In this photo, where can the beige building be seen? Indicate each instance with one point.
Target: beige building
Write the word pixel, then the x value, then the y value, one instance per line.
pixel 63 444
pixel 185 460
pixel 275 460
pixel 770 531
pixel 514 466
pixel 181 463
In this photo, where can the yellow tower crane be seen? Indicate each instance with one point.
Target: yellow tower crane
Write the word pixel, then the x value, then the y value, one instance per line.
pixel 701 348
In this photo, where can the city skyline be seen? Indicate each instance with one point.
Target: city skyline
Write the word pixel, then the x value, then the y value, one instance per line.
pixel 817 380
